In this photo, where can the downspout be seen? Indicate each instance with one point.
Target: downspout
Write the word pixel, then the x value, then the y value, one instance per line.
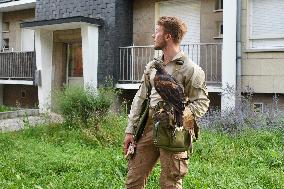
pixel 239 55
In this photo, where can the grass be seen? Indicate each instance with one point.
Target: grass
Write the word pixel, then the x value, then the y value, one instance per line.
pixel 56 156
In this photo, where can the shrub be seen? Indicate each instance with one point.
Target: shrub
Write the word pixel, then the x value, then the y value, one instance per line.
pixel 81 106
pixel 243 116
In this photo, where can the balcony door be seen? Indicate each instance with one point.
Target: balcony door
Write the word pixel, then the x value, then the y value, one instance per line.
pixel 74 64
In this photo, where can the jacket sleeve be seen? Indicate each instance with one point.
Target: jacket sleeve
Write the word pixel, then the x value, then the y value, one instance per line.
pixel 197 93
pixel 136 106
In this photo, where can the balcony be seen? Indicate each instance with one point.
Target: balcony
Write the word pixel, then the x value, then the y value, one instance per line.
pixel 14 5
pixel 6 1
pixel 133 60
pixel 17 67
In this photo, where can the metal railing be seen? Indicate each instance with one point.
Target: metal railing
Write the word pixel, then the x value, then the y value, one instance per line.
pixel 17 65
pixel 133 60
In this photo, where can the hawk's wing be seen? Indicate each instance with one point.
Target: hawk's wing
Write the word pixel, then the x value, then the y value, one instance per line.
pixel 169 90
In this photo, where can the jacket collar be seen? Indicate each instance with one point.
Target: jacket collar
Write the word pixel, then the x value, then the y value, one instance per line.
pixel 179 58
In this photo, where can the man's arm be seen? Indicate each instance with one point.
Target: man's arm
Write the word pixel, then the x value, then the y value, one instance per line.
pixel 197 94
pixel 136 109
pixel 136 106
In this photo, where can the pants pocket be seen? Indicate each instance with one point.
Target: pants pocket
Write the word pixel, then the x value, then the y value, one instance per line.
pixel 179 165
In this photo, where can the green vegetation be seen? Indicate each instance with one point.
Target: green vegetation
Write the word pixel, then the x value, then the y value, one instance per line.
pixel 5 108
pixel 84 107
pixel 237 150
pixel 54 156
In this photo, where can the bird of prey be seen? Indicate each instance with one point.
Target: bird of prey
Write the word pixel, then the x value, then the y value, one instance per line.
pixel 170 91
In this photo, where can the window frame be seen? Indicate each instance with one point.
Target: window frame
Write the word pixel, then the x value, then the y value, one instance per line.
pixel 250 37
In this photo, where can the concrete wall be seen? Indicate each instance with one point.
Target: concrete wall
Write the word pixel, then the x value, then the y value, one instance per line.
pixel 269 101
pixel 262 71
pixel 14 19
pixel 143 22
pixel 209 22
pixel 115 32
pixel 12 96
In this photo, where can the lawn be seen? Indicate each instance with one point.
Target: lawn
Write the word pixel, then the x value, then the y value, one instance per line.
pixel 56 156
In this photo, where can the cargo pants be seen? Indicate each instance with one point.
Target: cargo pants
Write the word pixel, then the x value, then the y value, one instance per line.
pixel 174 165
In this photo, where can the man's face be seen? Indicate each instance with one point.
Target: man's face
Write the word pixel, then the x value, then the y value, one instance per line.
pixel 159 38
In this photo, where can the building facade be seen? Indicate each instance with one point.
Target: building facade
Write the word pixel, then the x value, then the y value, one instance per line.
pixel 238 43
pixel 262 31
pixel 17 55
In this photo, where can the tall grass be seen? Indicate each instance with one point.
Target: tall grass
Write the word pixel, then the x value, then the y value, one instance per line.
pixel 84 106
pixel 54 156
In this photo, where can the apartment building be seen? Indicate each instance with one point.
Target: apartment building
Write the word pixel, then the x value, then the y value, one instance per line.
pixel 238 43
pixel 262 46
pixel 17 57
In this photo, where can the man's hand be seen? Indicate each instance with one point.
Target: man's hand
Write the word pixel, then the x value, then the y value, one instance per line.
pixel 127 140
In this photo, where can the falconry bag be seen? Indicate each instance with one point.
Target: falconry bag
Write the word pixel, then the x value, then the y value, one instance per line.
pixel 167 135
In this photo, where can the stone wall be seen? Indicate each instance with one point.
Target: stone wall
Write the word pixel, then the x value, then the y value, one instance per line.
pixel 20 95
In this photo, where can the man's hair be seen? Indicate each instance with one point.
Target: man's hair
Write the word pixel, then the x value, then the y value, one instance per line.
pixel 173 26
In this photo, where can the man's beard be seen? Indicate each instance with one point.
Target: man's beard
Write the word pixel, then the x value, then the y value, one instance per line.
pixel 160 46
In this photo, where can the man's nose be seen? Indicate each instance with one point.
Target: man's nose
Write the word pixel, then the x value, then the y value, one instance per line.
pixel 153 35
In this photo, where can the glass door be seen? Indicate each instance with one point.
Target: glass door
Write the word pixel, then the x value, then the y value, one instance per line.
pixel 74 64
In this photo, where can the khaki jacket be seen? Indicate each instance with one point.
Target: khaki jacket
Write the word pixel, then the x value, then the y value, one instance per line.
pixel 189 75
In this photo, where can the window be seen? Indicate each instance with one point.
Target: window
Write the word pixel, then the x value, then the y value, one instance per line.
pixel 258 107
pixel 266 24
pixel 220 29
pixel 5 45
pixel 6 27
pixel 219 5
pixel 75 61
pixel 23 93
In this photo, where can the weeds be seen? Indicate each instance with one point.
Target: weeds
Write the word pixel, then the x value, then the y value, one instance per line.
pixel 84 107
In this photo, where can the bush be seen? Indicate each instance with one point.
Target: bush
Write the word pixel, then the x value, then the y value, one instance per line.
pixel 81 106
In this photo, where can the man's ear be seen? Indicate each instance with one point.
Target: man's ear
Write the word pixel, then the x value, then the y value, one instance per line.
pixel 168 36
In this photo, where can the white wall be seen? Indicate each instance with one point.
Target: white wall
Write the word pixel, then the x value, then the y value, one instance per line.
pixel 27 39
pixel 1 29
pixel 44 47
pixel 229 52
pixel 90 37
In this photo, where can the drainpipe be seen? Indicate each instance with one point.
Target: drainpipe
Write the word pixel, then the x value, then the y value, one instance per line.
pixel 239 54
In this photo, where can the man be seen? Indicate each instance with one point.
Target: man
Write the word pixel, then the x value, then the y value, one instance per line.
pixel 174 165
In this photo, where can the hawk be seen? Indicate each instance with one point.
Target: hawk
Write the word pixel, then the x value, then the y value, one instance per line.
pixel 170 91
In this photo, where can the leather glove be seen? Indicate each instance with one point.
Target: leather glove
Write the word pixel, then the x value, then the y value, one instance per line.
pixel 188 119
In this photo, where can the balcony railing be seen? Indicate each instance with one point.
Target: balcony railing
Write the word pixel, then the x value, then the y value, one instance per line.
pixel 133 60
pixel 17 65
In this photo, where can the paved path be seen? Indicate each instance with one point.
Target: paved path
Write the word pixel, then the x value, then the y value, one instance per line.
pixel 18 123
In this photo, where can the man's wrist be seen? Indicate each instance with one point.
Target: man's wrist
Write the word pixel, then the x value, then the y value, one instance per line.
pixel 129 130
